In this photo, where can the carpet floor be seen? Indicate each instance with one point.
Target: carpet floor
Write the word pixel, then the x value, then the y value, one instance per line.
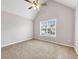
pixel 36 49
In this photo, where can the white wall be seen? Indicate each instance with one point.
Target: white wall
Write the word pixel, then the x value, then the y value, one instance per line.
pixel 65 23
pixel 14 28
pixel 76 30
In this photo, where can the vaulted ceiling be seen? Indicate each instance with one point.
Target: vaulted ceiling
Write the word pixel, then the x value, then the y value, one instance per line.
pixel 69 3
pixel 20 7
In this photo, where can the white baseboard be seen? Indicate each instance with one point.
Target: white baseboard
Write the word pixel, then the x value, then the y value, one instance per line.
pixel 57 43
pixel 29 38
pixel 76 50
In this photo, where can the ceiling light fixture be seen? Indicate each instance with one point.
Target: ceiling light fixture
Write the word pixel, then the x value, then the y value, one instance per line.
pixel 36 4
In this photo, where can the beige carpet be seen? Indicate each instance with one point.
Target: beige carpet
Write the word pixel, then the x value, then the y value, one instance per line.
pixel 35 49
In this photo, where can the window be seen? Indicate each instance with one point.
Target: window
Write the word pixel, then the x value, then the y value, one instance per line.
pixel 48 28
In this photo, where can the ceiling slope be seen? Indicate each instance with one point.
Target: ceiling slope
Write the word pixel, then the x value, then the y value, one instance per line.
pixel 69 3
pixel 18 7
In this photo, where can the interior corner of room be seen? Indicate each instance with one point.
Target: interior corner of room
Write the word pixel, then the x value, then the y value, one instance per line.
pixel 19 24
